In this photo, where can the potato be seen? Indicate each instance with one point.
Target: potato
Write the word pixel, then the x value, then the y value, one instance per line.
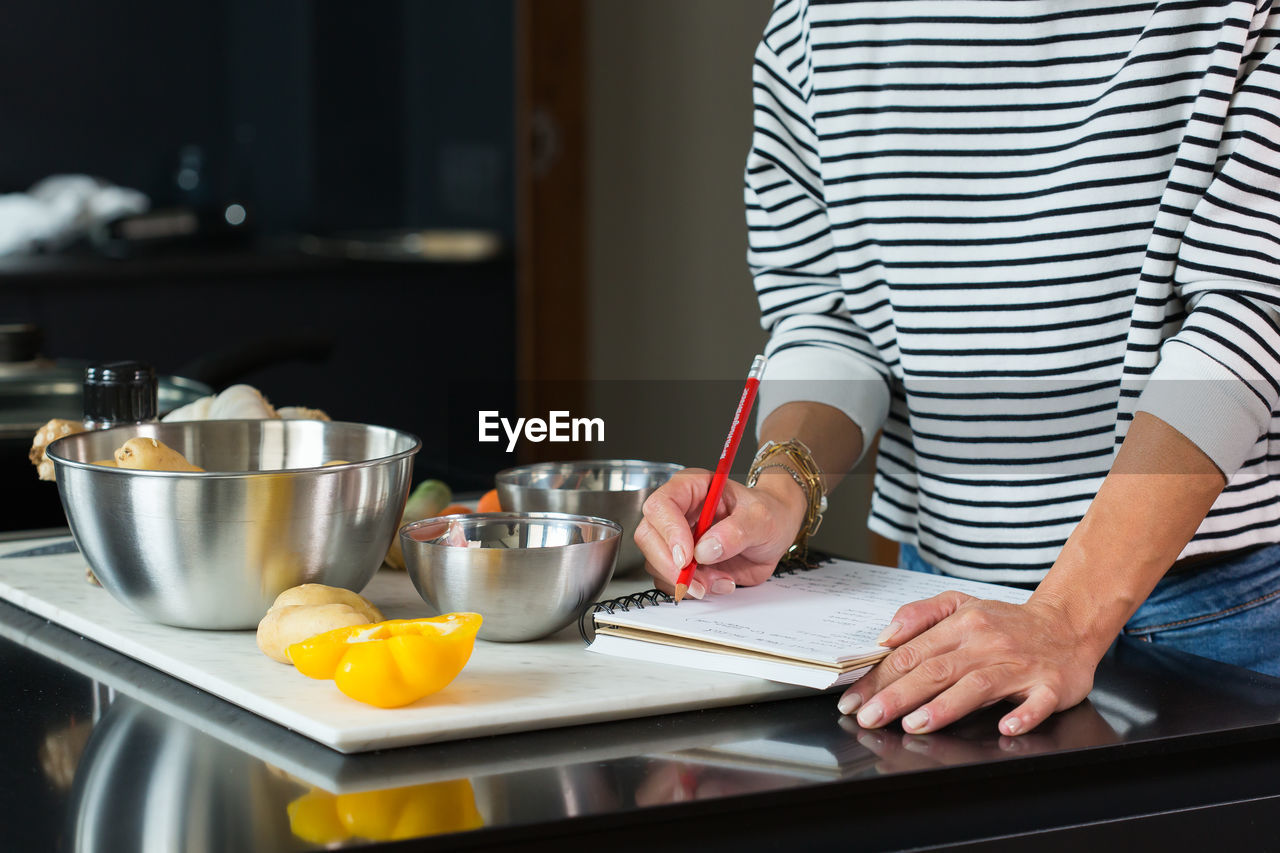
pixel 301 612
pixel 318 593
pixel 147 454
pixel 284 626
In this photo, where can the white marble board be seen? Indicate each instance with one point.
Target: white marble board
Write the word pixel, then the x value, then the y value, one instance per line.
pixel 507 687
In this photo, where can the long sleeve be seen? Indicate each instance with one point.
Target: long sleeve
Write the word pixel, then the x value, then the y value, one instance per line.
pixel 1017 225
pixel 1218 379
pixel 816 350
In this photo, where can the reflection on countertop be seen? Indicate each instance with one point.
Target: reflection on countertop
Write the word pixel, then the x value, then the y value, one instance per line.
pixel 131 759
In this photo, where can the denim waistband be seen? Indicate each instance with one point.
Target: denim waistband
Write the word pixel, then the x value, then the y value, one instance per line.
pixel 1204 562
pixel 909 558
pixel 1231 583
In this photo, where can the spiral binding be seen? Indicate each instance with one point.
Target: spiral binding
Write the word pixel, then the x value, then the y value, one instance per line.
pixel 648 597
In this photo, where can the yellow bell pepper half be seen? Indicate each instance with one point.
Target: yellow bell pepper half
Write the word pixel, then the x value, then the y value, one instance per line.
pixel 392 663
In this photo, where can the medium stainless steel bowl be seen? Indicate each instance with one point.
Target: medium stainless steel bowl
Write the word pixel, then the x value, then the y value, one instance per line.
pixel 214 549
pixel 533 574
pixel 607 488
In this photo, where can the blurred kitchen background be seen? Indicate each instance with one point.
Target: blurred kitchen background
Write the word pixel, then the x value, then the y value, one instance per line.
pixel 399 211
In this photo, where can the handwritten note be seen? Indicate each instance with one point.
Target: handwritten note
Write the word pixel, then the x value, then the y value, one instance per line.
pixel 828 615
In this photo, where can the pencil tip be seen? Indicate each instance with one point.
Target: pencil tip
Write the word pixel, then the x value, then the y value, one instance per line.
pixel 681 589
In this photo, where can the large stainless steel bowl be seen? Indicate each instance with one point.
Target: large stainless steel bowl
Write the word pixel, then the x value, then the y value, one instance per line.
pixel 148 781
pixel 532 574
pixel 214 549
pixel 608 488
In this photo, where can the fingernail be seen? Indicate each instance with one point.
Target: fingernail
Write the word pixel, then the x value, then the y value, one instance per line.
pixel 849 703
pixel 697 590
pixel 916 720
pixel 709 550
pixel 1011 744
pixel 918 745
pixel 1012 726
pixel 887 633
pixel 677 557
pixel 723 586
pixel 870 714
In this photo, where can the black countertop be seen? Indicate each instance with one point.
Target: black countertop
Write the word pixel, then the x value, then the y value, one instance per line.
pixel 1168 749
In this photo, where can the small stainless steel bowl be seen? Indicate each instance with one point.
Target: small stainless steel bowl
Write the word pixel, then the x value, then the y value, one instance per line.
pixel 608 488
pixel 533 574
pixel 214 549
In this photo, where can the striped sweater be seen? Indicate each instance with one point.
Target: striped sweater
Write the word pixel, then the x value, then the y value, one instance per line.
pixel 998 228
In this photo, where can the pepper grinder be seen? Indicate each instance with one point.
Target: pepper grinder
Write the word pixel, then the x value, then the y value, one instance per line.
pixel 119 392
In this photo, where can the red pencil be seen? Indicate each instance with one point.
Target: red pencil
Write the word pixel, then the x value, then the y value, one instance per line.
pixel 722 469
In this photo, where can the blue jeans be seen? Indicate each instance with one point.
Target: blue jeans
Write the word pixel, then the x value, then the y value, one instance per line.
pixel 1227 610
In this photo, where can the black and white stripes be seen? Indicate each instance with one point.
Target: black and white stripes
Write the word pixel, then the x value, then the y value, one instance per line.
pixel 998 228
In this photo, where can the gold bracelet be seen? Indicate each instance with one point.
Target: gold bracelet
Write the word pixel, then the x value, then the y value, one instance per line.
pixel 795 475
pixel 799 463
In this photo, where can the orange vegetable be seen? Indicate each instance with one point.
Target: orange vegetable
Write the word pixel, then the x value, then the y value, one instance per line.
pixel 489 503
pixel 455 509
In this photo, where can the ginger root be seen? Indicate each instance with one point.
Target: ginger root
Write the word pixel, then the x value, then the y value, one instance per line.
pixel 46 435
pixel 301 612
pixel 301 413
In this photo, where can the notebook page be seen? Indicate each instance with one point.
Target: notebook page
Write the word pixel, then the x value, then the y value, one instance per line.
pixel 826 615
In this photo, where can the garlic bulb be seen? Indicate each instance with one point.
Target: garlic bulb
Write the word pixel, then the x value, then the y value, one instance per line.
pixel 239 402
pixel 196 410
pixel 233 403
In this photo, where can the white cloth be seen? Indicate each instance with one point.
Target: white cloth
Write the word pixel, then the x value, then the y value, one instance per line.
pixel 60 209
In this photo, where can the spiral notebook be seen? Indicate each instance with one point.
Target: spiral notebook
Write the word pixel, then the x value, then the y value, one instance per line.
pixel 815 627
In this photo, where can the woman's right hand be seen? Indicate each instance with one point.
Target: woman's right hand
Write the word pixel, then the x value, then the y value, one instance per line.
pixel 752 532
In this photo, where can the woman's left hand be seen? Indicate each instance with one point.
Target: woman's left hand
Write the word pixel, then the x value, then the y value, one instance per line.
pixel 954 654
